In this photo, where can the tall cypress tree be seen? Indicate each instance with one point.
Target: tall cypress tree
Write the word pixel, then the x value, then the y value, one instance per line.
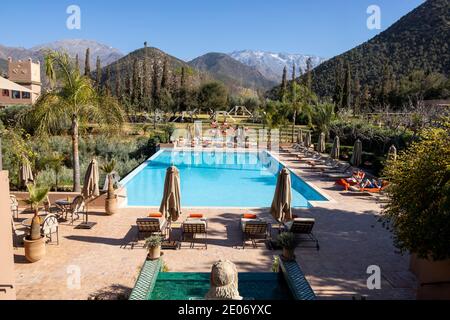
pixel 87 64
pixel 118 82
pixel 356 94
pixel 127 94
pixel 147 85
pixel 293 72
pixel 339 85
pixel 309 74
pixel 283 84
pixel 155 86
pixel 98 73
pixel 387 85
pixel 165 76
pixel 136 85
pixel 77 64
pixel 294 98
pixel 365 99
pixel 182 92
pixel 347 90
pixel 108 79
pixel 183 77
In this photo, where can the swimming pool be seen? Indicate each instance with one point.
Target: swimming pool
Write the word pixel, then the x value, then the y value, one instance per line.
pixel 215 179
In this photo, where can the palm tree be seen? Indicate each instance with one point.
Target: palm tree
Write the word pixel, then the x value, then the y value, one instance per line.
pixel 71 101
pixel 37 195
pixel 322 116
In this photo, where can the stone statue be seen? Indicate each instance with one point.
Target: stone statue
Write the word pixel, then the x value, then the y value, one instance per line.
pixel 224 282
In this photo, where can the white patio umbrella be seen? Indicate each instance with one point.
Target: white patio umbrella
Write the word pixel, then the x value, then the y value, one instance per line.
pixel 321 143
pixel 281 205
pixel 392 153
pixel 335 148
pixel 356 160
pixel 25 172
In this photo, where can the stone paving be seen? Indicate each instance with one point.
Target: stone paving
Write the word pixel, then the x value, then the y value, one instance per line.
pixel 351 239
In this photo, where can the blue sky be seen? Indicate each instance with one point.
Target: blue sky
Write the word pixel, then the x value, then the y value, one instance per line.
pixel 189 28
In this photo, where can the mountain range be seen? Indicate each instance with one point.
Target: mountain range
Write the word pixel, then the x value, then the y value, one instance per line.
pixel 419 40
pixel 238 77
pixel 73 47
pixel 271 64
pixel 153 57
pixel 242 72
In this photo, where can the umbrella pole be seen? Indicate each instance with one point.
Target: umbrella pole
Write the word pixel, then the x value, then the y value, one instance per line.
pixel 86 224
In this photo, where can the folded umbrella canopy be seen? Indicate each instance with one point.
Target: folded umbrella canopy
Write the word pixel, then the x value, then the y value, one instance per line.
pixel 90 190
pixel 334 154
pixel 281 205
pixel 321 143
pixel 392 153
pixel 170 203
pixel 357 153
pixel 25 172
pixel 300 138
pixel 91 178
pixel 308 139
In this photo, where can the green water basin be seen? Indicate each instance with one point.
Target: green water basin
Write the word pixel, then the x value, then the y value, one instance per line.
pixel 194 286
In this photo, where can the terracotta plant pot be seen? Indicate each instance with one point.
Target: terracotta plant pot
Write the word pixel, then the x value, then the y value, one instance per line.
pixel 288 254
pixel 433 278
pixel 111 206
pixel 34 249
pixel 154 253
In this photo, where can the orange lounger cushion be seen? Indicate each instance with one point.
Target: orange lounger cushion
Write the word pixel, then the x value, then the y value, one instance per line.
pixel 249 216
pixel 344 183
pixel 155 215
pixel 196 215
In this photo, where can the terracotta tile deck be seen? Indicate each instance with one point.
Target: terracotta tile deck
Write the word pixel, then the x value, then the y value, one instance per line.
pixel 350 238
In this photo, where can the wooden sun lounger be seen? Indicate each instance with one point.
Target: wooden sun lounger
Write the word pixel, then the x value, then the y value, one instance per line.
pixel 192 227
pixel 150 226
pixel 252 230
pixel 303 227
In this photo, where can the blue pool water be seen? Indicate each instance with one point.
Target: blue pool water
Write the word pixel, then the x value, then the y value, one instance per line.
pixel 215 179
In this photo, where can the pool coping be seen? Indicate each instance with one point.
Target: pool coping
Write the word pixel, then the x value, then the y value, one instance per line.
pixel 313 203
pixel 291 271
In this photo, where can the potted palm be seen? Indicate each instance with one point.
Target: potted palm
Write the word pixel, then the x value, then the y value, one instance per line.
pixel 111 197
pixel 287 241
pixel 34 243
pixel 153 244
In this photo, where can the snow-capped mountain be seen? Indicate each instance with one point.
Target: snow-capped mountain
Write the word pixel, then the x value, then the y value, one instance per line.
pixel 271 64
